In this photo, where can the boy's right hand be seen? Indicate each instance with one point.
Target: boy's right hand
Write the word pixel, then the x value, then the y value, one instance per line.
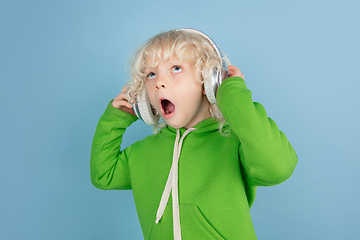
pixel 121 102
pixel 235 71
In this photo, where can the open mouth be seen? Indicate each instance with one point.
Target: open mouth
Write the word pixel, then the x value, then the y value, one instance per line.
pixel 167 106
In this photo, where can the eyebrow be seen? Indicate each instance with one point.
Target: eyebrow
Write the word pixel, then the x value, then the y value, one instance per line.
pixel 177 62
pixel 148 70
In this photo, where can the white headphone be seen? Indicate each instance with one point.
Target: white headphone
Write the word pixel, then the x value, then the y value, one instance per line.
pixel 145 111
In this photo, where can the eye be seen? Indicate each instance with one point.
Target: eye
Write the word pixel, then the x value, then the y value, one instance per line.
pixel 176 69
pixel 151 75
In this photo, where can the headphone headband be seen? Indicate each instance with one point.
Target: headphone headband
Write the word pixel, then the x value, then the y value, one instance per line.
pixel 216 48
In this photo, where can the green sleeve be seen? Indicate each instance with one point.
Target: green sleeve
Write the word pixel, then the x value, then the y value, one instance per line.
pixel 108 165
pixel 265 153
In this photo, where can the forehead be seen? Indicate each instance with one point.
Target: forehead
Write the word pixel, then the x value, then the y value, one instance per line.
pixel 174 60
pixel 173 57
pixel 161 51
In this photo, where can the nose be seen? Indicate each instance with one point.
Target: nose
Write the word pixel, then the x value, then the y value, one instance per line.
pixel 159 86
pixel 160 83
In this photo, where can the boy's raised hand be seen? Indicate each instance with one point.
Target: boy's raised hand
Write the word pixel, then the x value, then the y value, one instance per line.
pixel 234 71
pixel 121 102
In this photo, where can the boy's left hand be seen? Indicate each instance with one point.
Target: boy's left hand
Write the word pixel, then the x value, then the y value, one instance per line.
pixel 234 71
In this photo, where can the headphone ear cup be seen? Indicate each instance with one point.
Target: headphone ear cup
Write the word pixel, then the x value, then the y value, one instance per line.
pixel 211 85
pixel 143 109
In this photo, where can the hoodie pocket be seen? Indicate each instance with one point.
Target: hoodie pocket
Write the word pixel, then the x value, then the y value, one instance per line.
pixel 194 224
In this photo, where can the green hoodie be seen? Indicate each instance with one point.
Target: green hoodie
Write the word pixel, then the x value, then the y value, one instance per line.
pixel 217 174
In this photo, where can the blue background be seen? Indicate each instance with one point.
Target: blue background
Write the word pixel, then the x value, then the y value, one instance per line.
pixel 62 61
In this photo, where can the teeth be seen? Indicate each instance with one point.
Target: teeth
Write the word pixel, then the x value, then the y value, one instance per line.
pixel 166 111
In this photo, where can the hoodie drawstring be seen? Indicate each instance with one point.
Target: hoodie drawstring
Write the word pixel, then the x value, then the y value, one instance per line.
pixel 172 186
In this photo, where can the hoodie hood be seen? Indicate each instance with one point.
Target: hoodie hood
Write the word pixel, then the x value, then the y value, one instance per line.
pixel 208 125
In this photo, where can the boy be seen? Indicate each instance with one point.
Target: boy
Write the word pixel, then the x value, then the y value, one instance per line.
pixel 211 176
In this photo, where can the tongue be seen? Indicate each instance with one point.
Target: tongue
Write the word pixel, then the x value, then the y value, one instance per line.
pixel 169 107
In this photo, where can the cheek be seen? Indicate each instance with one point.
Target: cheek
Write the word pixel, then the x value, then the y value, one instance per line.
pixel 193 97
pixel 152 96
pixel 149 92
pixel 196 90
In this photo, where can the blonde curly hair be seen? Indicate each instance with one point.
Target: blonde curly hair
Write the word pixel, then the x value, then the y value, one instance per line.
pixel 188 46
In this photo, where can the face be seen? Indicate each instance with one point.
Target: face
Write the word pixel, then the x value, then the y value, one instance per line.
pixel 174 92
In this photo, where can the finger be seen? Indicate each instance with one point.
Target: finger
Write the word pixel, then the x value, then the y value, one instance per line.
pixel 233 68
pixel 126 104
pixel 121 96
pixel 118 103
pixel 124 89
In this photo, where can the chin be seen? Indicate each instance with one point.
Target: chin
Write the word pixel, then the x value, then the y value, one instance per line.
pixel 174 125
